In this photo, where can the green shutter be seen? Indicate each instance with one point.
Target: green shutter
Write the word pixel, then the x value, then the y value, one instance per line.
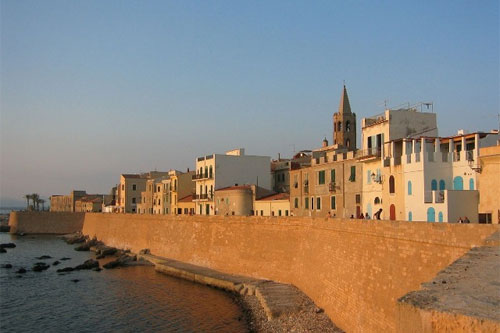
pixel 352 178
pixel 306 203
pixel 332 176
pixel 332 202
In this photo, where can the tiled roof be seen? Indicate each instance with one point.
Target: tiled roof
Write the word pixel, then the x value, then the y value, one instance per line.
pixel 188 198
pixel 276 196
pixel 232 188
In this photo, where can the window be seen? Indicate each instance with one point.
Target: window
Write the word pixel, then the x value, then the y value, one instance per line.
pixel 471 184
pixel 206 172
pixel 279 212
pixel 442 185
pixel 376 201
pixel 123 187
pixel 186 211
pixel 358 198
pixel 134 187
pixel 296 202
pixel 321 177
pixel 348 126
pixel 332 202
pixel 286 212
pixel 348 143
pixel 352 178
pixel 409 188
pixel 211 172
pixel 391 185
pixel 261 213
pixel 133 200
pixel 434 185
pixel 306 203
pixel 318 203
pixel 339 126
pixel 410 216
pixel 458 183
pixel 312 203
pixel 332 175
pixel 431 215
pixel 440 217
pixel 369 177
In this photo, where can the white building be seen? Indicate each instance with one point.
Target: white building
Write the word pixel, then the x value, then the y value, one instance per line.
pixel 233 168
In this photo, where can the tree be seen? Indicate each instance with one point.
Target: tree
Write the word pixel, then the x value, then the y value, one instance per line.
pixel 35 197
pixel 27 197
pixel 43 203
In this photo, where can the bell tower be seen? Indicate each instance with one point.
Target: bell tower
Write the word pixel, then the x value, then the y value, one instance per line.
pixel 344 124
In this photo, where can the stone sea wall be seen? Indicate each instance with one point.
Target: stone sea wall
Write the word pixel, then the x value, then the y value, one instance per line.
pixel 45 222
pixel 354 269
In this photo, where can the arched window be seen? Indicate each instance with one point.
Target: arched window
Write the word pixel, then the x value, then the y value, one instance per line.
pixel 201 171
pixel 440 217
pixel 410 216
pixel 339 126
pixel 431 215
pixel 434 185
pixel 391 184
pixel 210 172
pixel 376 201
pixel 471 184
pixel 206 172
pixel 348 143
pixel 348 126
pixel 409 188
pixel 458 183
pixel 442 185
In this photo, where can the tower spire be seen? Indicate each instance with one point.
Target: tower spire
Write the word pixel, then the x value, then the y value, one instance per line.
pixel 344 106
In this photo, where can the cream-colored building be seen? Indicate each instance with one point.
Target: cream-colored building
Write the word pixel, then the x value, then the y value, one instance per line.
pixel 65 203
pixel 238 200
pixel 277 204
pixel 489 184
pixel 233 168
pixel 186 205
pixel 89 204
pixel 280 170
pixel 130 188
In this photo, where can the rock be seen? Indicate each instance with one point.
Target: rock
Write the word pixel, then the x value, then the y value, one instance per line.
pixel 97 269
pixel 7 245
pixel 107 251
pixel 121 261
pixel 65 258
pixel 88 264
pixel 319 310
pixel 87 245
pixel 44 257
pixel 40 266
pixel 145 251
pixel 21 271
pixel 100 256
pixel 6 266
pixel 4 228
pixel 75 280
pixel 55 263
pixel 65 269
pixel 2 250
pixel 74 238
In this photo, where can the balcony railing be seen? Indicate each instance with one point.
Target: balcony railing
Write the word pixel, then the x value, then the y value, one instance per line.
pixel 202 176
pixel 369 153
pixel 203 196
pixel 428 197
pixel 456 156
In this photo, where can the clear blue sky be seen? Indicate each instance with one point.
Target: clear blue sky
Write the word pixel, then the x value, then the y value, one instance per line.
pixel 92 89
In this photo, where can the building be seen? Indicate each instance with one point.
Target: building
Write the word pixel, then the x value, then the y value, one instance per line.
pixel 90 204
pixel 238 200
pixel 65 203
pixel 186 205
pixel 344 124
pixel 277 204
pixel 130 188
pixel 280 170
pixel 233 168
pixel 488 184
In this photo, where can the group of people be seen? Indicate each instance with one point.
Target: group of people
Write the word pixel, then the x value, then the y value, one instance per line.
pixel 464 220
pixel 366 216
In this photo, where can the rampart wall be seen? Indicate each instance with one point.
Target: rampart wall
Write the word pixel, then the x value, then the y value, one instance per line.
pixel 45 222
pixel 355 270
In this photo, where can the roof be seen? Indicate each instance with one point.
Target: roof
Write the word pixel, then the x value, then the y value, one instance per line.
pixel 130 175
pixel 276 196
pixel 187 198
pixel 344 106
pixel 234 188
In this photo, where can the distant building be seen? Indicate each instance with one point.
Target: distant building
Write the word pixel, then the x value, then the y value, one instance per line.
pixel 489 184
pixel 91 203
pixel 186 205
pixel 344 124
pixel 280 170
pixel 65 203
pixel 277 204
pixel 130 188
pixel 233 168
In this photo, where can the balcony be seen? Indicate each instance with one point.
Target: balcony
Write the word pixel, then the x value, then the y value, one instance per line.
pixel 202 176
pixel 203 196
pixel 368 154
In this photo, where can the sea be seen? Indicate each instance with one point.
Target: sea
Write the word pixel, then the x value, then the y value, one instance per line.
pixel 129 299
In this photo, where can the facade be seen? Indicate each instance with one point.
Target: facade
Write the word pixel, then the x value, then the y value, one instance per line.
pixel 65 203
pixel 186 205
pixel 344 124
pixel 331 186
pixel 238 200
pixel 277 204
pixel 89 204
pixel 233 168
pixel 280 170
pixel 488 184
pixel 130 188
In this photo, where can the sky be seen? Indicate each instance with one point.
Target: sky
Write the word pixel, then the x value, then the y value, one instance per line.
pixel 92 89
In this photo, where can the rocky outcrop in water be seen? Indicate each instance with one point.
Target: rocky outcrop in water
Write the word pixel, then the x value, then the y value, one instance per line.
pixel 88 264
pixel 21 271
pixel 44 257
pixel 65 270
pixel 87 245
pixel 74 238
pixel 7 246
pixel 55 263
pixel 121 261
pixel 6 266
pixel 40 266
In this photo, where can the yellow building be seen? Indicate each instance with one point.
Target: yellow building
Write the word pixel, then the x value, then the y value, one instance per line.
pixel 273 205
pixel 489 184
pixel 89 204
pixel 130 188
pixel 186 205
pixel 65 203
